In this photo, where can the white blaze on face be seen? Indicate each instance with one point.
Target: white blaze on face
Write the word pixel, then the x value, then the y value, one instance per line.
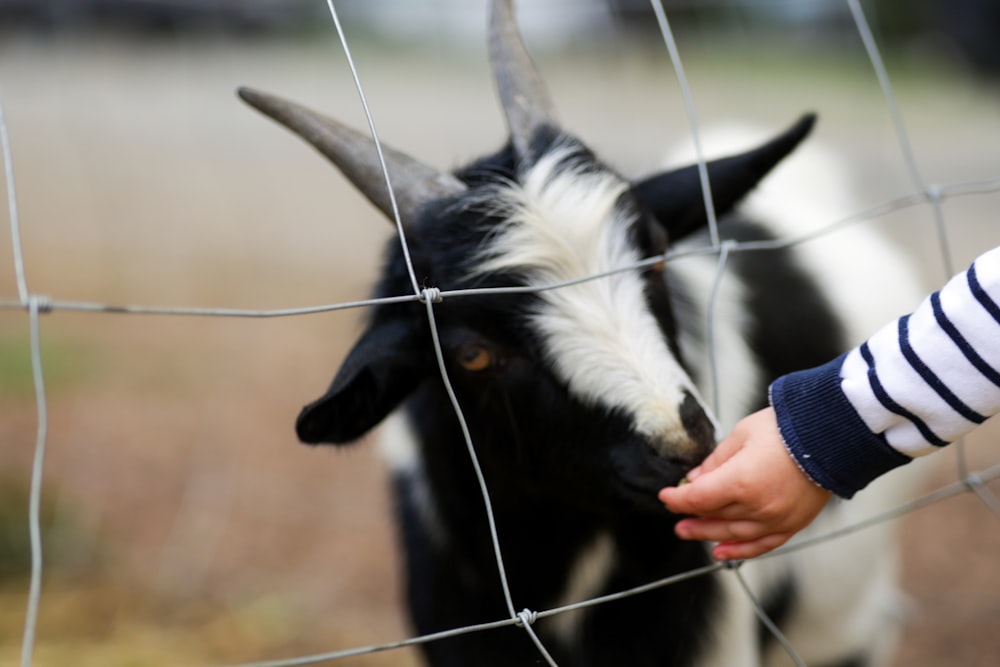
pixel 600 335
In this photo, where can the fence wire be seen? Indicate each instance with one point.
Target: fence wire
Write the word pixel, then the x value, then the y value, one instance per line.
pixel 928 194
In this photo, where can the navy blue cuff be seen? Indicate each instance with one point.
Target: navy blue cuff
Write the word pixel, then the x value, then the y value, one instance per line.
pixel 824 433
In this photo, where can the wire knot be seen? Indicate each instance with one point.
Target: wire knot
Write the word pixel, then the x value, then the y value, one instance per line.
pixel 527 617
pixel 431 294
pixel 40 304
pixel 973 481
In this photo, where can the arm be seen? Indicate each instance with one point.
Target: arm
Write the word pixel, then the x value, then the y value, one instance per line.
pixel 917 384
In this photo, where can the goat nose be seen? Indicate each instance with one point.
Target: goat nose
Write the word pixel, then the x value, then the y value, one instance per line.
pixel 699 428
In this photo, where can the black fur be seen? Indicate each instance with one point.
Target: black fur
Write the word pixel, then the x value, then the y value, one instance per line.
pixel 560 474
pixel 793 325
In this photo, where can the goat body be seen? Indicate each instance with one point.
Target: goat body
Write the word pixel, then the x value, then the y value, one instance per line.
pixel 583 401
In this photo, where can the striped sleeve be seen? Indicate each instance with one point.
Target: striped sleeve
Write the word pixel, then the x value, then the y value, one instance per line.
pixel 916 385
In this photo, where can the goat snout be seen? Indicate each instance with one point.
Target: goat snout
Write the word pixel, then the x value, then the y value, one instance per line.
pixel 697 439
pixel 699 427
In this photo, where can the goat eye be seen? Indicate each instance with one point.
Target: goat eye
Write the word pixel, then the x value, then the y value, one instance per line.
pixel 475 358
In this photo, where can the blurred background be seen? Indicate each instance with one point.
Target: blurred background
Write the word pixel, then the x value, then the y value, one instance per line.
pixel 183 523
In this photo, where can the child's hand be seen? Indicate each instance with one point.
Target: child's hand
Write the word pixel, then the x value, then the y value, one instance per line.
pixel 749 494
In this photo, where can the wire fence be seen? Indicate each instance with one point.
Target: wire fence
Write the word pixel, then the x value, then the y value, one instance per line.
pixel 924 193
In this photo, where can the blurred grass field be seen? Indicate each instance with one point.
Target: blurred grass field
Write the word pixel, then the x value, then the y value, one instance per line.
pixel 186 526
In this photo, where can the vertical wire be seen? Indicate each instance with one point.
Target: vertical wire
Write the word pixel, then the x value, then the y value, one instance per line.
pixel 933 194
pixel 675 59
pixel 491 519
pixel 724 250
pixel 875 56
pixel 429 300
pixel 400 230
pixel 766 620
pixel 15 223
pixel 527 618
pixel 35 498
pixel 713 362
pixel 34 307
pixel 902 135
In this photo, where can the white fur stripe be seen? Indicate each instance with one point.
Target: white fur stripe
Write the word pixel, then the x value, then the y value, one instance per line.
pixel 600 335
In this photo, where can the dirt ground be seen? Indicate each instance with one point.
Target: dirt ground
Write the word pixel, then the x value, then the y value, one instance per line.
pixel 190 527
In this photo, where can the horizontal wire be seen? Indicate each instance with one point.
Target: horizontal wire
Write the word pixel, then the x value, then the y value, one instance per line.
pixel 950 191
pixel 943 493
pixel 86 306
pixel 317 658
pixel 951 490
pixel 37 305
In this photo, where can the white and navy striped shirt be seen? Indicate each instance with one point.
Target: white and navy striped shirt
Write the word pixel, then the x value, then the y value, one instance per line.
pixel 918 384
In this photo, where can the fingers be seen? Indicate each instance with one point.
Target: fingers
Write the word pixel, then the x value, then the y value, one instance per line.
pixel 718 530
pixel 699 498
pixel 722 453
pixel 750 495
pixel 752 549
pixel 706 496
pixel 713 489
pixel 737 539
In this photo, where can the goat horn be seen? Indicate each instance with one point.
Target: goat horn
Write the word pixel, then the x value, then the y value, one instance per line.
pixel 413 182
pixel 523 94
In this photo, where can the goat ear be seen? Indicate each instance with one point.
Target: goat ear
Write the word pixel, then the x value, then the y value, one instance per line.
pixel 381 370
pixel 675 198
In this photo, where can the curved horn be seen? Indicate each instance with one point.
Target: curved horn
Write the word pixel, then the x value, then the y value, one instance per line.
pixel 523 94
pixel 413 182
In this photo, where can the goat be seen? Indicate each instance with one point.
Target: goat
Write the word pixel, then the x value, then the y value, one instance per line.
pixel 583 401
